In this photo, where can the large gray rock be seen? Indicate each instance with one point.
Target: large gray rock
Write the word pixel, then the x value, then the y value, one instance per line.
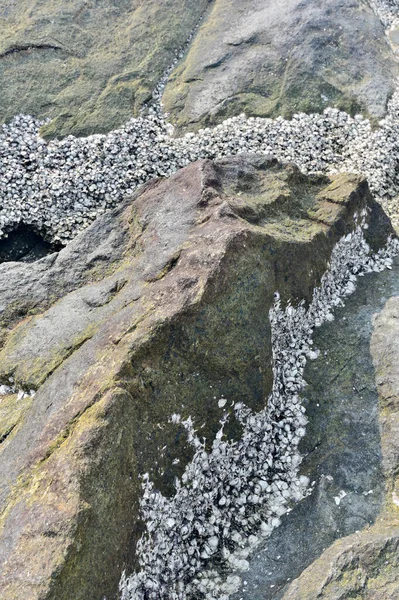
pixel 268 58
pixel 160 304
pixel 366 564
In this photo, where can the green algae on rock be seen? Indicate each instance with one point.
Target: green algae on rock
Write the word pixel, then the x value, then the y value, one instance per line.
pixel 89 66
pixel 279 58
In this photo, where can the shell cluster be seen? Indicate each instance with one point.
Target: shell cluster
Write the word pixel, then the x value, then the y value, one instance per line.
pixel 386 10
pixel 59 187
pixel 231 497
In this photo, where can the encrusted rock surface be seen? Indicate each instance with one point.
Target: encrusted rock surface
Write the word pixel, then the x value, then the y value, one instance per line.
pixel 158 306
pixel 58 188
pixel 278 58
pixel 366 565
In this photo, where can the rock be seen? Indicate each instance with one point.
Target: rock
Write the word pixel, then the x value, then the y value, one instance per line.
pixel 385 350
pixel 159 307
pixel 342 446
pixel 365 564
pixel 88 65
pixel 278 58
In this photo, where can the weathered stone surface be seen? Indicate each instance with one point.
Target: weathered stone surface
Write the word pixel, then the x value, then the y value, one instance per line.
pixel 341 449
pixel 161 304
pixel 366 565
pixel 277 58
pixel 88 65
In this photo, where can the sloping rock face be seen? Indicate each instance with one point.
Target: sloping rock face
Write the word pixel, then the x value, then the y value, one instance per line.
pixel 366 565
pixel 269 58
pixel 159 306
pixel 88 65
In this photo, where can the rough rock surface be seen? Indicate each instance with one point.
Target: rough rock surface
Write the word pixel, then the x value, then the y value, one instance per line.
pixel 87 65
pixel 162 303
pixel 90 66
pixel 366 564
pixel 269 58
pixel 342 446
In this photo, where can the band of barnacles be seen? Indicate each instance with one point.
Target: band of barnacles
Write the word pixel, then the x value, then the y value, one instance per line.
pixel 232 496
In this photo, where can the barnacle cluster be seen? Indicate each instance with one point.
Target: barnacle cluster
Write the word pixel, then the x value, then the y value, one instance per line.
pixel 59 187
pixel 233 495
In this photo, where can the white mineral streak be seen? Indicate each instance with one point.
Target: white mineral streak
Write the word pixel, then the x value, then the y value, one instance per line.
pixel 232 497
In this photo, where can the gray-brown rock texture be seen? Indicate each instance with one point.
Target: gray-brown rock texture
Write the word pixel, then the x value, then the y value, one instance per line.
pixel 146 294
pixel 161 303
pixel 87 65
pixel 90 66
pixel 270 58
pixel 365 565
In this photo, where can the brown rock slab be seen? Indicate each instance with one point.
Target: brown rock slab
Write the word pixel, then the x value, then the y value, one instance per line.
pixel 159 307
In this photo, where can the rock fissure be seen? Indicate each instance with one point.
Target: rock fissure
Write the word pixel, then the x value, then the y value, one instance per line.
pixel 5 435
pixel 28 47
